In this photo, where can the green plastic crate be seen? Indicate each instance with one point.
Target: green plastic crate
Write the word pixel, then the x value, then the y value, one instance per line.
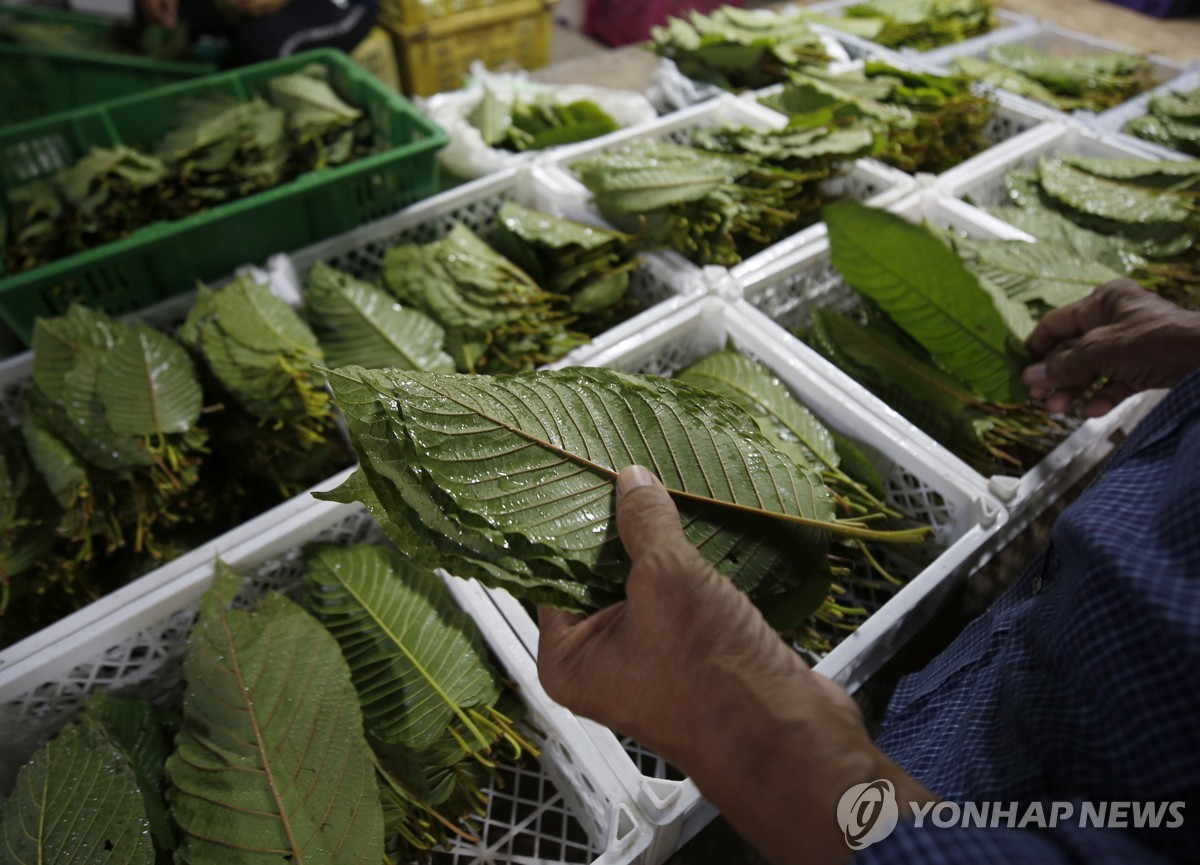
pixel 35 82
pixel 167 258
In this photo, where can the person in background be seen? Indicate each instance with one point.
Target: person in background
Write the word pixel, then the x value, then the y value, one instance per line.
pixel 266 29
pixel 1081 683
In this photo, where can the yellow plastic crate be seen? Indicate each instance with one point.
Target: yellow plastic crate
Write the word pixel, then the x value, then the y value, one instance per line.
pixel 434 56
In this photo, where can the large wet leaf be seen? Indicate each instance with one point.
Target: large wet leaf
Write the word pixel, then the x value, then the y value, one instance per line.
pixel 1034 272
pixel 417 660
pixel 271 764
pixel 1054 228
pixel 148 385
pixel 359 324
pixel 927 291
pixel 511 478
pixel 77 801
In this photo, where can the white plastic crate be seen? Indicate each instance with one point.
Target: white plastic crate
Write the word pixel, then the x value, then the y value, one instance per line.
pixel 965 518
pixel 1114 120
pixel 1007 22
pixel 982 182
pixel 1012 117
pixel 361 252
pixel 564 807
pixel 867 180
pixel 787 292
pixel 1055 41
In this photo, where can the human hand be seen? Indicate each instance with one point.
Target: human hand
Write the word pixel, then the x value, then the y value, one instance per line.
pixel 688 667
pixel 1121 331
pixel 257 8
pixel 164 12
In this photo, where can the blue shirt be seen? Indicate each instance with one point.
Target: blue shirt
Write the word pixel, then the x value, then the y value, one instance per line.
pixel 1082 682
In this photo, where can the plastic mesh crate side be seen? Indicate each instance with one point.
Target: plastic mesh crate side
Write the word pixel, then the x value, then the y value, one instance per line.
pixel 1057 42
pixel 1007 22
pixel 982 184
pixel 567 808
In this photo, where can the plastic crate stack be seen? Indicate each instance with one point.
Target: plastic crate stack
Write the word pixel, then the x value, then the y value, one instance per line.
pixel 436 42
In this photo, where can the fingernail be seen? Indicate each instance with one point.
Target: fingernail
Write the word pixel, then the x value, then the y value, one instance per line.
pixel 1035 375
pixel 633 477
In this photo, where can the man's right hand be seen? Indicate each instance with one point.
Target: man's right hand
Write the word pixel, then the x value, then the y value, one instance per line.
pixel 164 12
pixel 1121 332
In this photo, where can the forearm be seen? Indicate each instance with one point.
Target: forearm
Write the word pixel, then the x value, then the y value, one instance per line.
pixel 776 775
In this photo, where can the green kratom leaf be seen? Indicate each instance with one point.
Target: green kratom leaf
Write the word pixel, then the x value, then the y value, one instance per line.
pixel 140 731
pixel 491 117
pixel 270 762
pixel 744 382
pixel 1033 272
pixel 77 801
pixel 1102 197
pixel 148 385
pixel 1055 229
pixel 418 661
pixel 927 291
pixel 545 449
pixel 359 324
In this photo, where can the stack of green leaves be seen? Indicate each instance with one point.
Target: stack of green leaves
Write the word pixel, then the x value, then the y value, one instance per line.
pixel 1137 217
pixel 734 194
pixel 358 324
pixel 28 519
pixel 939 338
pixel 539 123
pixel 739 49
pixel 112 424
pixel 1091 82
pixel 429 694
pixel 932 122
pixel 1172 120
pixel 278 421
pixel 496 318
pixel 587 266
pixel 510 480
pixel 917 24
pixel 219 151
pixel 323 129
pixel 410 673
pixel 223 149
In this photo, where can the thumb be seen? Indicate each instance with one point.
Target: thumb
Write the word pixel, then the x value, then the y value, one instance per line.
pixel 647 519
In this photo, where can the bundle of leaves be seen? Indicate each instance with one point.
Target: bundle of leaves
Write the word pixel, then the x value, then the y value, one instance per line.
pixel 719 207
pixel 496 317
pixel 1091 82
pixel 1138 217
pixel 222 149
pixel 918 24
pixel 113 424
pixel 101 198
pixel 931 122
pixel 431 701
pixel 359 324
pixel 1172 120
pixel 739 49
pixel 277 423
pixel 28 519
pixel 219 151
pixel 413 668
pixel 588 267
pixel 940 336
pixel 539 123
pixel 510 480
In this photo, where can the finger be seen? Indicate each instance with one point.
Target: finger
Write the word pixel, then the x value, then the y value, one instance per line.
pixel 1107 398
pixel 1061 400
pixel 646 516
pixel 1081 364
pixel 1068 323
pixel 554 624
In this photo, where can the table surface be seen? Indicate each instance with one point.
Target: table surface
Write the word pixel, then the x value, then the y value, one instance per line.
pixel 632 67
